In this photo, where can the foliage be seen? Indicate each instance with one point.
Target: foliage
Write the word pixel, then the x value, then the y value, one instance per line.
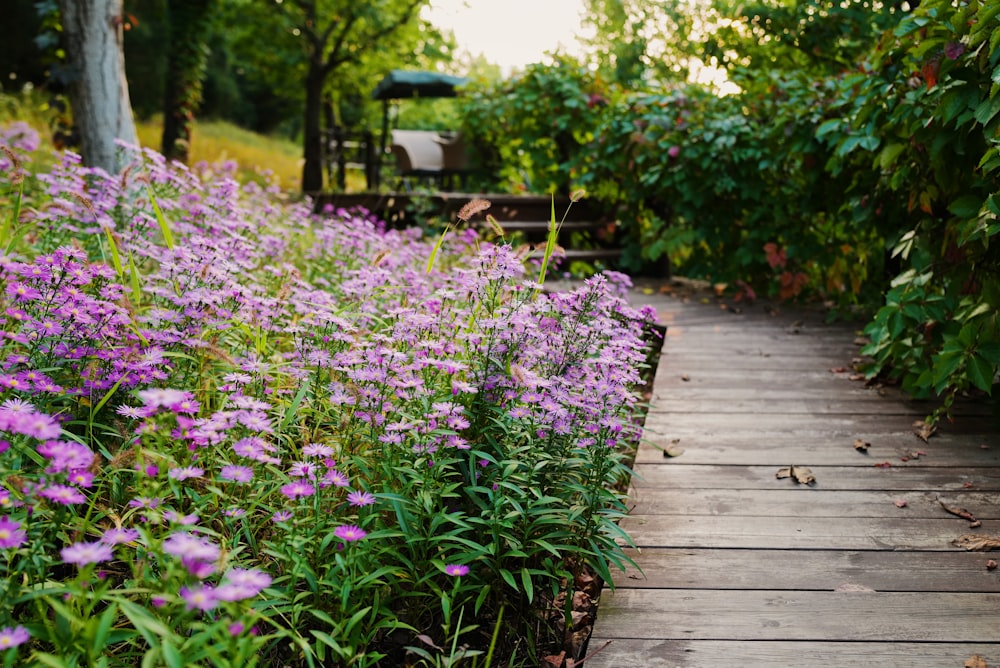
pixel 921 131
pixel 813 37
pixel 187 57
pixel 239 434
pixel 530 129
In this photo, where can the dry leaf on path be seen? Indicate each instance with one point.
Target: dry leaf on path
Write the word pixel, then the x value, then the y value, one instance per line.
pixel 555 660
pixel 923 430
pixel 861 445
pixel 900 503
pixel 801 474
pixel 991 565
pixel 958 512
pixel 975 661
pixel 974 542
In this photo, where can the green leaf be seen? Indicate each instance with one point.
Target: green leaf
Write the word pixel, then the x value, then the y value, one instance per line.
pixel 508 577
pixel 981 373
pixel 987 110
pixel 529 590
pixel 171 655
pixel 967 206
pixel 887 157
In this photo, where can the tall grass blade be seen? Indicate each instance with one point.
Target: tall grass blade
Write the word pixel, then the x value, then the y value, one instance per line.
pixel 168 236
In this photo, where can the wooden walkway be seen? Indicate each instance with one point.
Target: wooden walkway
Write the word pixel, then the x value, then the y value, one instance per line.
pixel 740 568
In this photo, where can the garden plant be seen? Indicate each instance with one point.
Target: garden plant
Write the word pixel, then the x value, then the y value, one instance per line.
pixel 235 433
pixel 856 166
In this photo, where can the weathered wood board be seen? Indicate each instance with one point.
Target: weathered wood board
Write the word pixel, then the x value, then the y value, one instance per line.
pixel 736 567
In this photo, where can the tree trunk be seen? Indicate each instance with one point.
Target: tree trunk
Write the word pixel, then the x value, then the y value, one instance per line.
pixel 312 170
pixel 99 92
pixel 186 58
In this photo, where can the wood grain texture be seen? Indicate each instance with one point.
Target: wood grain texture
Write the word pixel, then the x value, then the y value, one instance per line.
pixel 866 477
pixel 627 653
pixel 663 614
pixel 739 568
pixel 784 503
pixel 808 570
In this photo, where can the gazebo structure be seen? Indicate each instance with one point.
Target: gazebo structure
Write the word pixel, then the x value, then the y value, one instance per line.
pixel 406 84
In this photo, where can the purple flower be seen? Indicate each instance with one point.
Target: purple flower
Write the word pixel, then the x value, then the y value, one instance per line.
pixel 185 472
pixel 281 516
pixel 66 455
pixel 457 570
pixel 11 534
pixel 163 397
pixel 82 554
pixel 117 535
pixel 336 478
pixel 199 597
pixel 12 636
pixel 294 490
pixel 349 533
pixel 81 478
pixel 63 494
pixel 177 518
pixel 188 546
pixel 360 498
pixel 239 584
pixel 317 450
pixel 144 502
pixel 235 473
pixel 302 470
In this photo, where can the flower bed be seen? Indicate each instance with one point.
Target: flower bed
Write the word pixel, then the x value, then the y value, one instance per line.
pixel 238 434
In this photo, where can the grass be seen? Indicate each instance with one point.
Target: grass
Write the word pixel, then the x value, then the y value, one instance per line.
pixel 212 141
pixel 216 141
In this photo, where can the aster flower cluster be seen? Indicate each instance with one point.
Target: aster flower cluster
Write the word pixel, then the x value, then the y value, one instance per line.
pixel 254 409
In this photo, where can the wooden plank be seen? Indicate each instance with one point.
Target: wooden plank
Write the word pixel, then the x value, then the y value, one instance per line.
pixel 834 533
pixel 871 478
pixel 789 406
pixel 669 379
pixel 628 653
pixel 737 449
pixel 815 424
pixel 753 363
pixel 775 503
pixel 807 570
pixel 805 616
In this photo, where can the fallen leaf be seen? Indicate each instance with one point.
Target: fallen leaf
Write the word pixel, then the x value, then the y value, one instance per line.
pixel 974 542
pixel 428 641
pixel 883 465
pixel 991 565
pixel 839 369
pixel 861 341
pixel 975 524
pixel 555 660
pixel 856 376
pixel 924 430
pixel 968 484
pixel 958 512
pixel 801 474
pixel 861 446
pixel 975 661
pixel 900 503
pixel 672 451
pixel 647 291
pixel 685 377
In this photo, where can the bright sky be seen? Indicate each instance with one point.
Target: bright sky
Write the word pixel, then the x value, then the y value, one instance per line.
pixel 510 33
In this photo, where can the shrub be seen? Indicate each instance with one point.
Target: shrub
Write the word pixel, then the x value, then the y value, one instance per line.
pixel 238 434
